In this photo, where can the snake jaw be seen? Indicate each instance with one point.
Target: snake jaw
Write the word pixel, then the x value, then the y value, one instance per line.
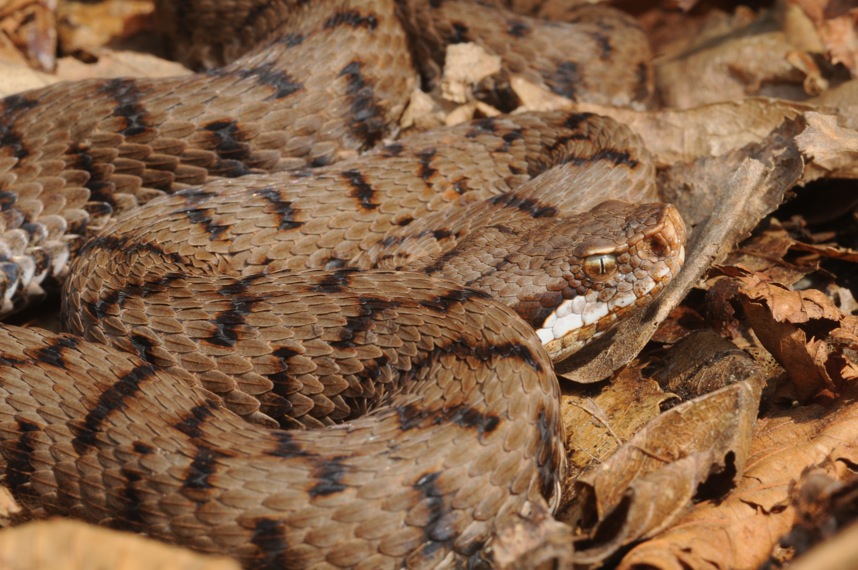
pixel 652 260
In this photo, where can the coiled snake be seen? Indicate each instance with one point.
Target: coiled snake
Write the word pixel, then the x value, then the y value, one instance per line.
pixel 389 300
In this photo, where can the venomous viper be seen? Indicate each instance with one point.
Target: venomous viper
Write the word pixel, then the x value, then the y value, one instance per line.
pixel 389 300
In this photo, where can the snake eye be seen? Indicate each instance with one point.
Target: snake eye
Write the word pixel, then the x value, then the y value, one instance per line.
pixel 600 267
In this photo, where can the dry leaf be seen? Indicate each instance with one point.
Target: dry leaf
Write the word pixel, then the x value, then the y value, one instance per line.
pixel 536 98
pixel 422 112
pixel 598 424
pixel 71 545
pixel 650 482
pixel 830 251
pixel 843 98
pixel 765 252
pixel 825 500
pixel 685 135
pixel 831 148
pixel 671 31
pixel 8 505
pixel 750 60
pixel 118 64
pixel 740 531
pixel 801 30
pixel 90 26
pixel 533 541
pixel 16 77
pixel 28 29
pixel 805 332
pixel 465 65
pixel 704 362
pixel 836 23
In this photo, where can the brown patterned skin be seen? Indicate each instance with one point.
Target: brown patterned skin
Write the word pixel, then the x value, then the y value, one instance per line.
pixel 254 299
pixel 325 80
pixel 462 429
pixel 418 483
pixel 73 155
pixel 335 218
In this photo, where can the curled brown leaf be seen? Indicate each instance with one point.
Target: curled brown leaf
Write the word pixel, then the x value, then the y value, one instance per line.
pixel 805 332
pixel 740 531
pixel 650 481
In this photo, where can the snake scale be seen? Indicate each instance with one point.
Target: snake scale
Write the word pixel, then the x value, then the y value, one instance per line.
pixel 244 253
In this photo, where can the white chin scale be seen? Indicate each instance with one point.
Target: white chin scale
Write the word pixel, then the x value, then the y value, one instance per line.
pixel 574 314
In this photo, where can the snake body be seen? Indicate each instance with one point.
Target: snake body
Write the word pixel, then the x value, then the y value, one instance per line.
pixel 388 300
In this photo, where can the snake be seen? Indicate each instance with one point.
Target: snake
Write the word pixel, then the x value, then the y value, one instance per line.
pixel 292 338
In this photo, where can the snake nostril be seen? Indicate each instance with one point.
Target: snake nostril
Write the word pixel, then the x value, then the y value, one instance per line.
pixel 658 246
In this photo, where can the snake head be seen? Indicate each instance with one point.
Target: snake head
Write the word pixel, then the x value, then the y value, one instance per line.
pixel 610 265
pixel 575 277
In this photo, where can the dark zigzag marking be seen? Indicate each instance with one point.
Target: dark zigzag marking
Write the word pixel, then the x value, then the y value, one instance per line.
pixel 203 468
pixel 461 348
pixel 509 139
pixel 204 465
pixel 198 215
pixel 412 416
pixel 426 171
pixel 442 303
pixel 530 206
pixel 269 537
pixel 605 47
pixel 256 11
pixel 485 126
pixel 391 150
pixel 283 208
pixel 240 285
pixel 518 28
pixel 228 323
pixel 230 147
pixel 130 501
pixel 336 281
pixel 193 420
pixel 129 246
pixel 368 309
pixel 360 189
pixel 266 74
pixel 367 123
pixel 127 95
pixel 115 398
pixel 611 155
pixel 102 307
pixel 566 80
pixel 459 33
pixel 53 353
pixel 19 469
pixel 10 138
pixel 438 532
pixel 328 475
pixel 546 468
pixel 286 447
pixel 351 18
